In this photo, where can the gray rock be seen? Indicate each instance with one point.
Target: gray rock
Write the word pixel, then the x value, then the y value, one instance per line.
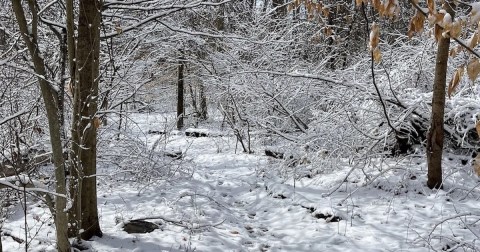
pixel 139 227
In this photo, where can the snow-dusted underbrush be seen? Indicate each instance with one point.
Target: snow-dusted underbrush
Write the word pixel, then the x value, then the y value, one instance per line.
pixel 213 197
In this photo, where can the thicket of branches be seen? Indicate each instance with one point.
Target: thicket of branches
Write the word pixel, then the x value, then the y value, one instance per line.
pixel 293 75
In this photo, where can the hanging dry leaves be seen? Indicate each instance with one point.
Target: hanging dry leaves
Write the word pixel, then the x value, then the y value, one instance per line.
pixel 438 32
pixel 326 11
pixel 359 2
pixel 477 127
pixel 457 76
pixel 374 36
pixel 313 8
pixel 319 7
pixel 416 24
pixel 475 13
pixel 377 55
pixel 294 5
pixel 473 69
pixel 96 122
pixel 310 8
pixel 435 18
pixel 456 29
pixel 290 7
pixel 431 6
pixel 455 51
pixel 473 40
pixel 328 31
pixel 476 163
pixel 374 41
pixel 377 4
pixel 390 8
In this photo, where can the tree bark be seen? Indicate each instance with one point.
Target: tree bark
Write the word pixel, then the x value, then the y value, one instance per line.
pixel 85 123
pixel 180 95
pixel 74 164
pixel 61 88
pixel 203 103
pixel 49 95
pixel 70 17
pixel 435 134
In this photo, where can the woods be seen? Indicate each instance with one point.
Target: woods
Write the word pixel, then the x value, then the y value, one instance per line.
pixel 316 103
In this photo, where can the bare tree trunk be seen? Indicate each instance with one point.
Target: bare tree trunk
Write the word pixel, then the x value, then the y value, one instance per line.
pixel 193 95
pixel 61 88
pixel 3 38
pixel 74 212
pixel 180 95
pixel 50 98
pixel 203 103
pixel 70 17
pixel 435 133
pixel 85 125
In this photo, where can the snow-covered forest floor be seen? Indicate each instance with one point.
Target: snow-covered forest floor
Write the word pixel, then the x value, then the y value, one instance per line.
pixel 216 198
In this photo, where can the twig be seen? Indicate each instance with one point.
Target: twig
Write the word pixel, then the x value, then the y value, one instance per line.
pixel 205 196
pixel 293 74
pixel 471 190
pixel 372 68
pixel 179 223
pixel 29 186
pixel 340 184
pixel 447 219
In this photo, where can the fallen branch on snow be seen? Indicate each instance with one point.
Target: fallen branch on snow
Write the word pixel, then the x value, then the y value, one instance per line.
pixel 180 223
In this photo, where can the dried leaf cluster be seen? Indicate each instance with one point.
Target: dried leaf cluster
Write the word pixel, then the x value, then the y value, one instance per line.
pixel 374 41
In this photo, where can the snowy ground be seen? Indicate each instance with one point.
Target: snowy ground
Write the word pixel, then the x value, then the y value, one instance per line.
pixel 227 201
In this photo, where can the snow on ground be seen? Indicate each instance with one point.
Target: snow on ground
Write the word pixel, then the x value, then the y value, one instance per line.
pixel 231 201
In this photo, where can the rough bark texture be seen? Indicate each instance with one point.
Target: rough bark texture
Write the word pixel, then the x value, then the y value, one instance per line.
pixel 29 36
pixel 435 133
pixel 85 124
pixel 74 186
pixel 203 103
pixel 70 17
pixel 180 96
pixel 61 88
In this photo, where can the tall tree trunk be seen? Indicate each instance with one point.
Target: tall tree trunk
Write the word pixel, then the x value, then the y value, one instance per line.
pixel 74 185
pixel 203 103
pixel 84 126
pixel 61 88
pixel 180 95
pixel 70 17
pixel 435 133
pixel 50 98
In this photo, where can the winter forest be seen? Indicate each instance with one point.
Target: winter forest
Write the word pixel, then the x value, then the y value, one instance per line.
pixel 239 125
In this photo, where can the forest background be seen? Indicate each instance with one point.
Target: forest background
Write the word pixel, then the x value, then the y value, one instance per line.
pixel 318 87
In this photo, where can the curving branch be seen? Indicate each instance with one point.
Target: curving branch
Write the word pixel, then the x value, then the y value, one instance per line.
pixel 168 10
pixel 372 68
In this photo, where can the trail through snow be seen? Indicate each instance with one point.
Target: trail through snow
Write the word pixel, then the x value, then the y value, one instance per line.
pixel 232 201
